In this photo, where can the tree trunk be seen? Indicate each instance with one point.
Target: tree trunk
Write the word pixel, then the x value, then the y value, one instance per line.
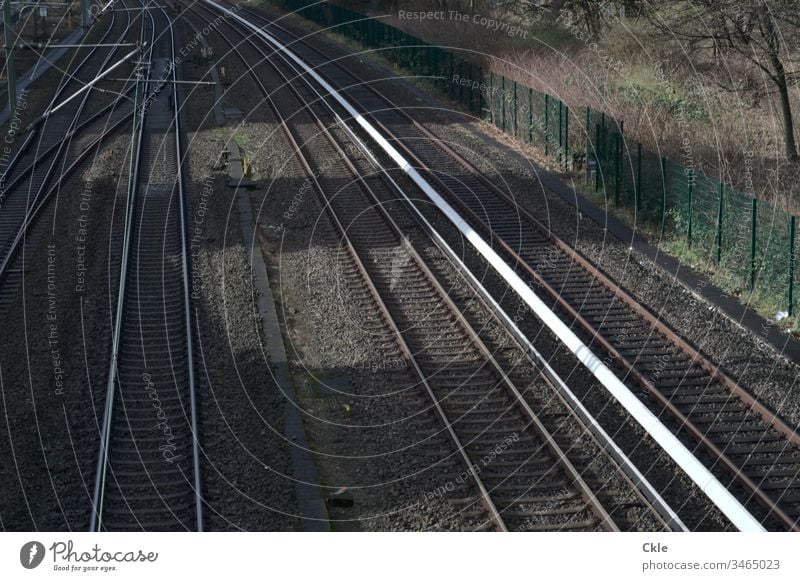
pixel 779 78
pixel 788 123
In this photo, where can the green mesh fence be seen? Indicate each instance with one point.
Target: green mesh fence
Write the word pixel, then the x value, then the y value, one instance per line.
pixel 705 205
pixel 676 197
pixel 734 240
pixel 772 243
pixel 752 243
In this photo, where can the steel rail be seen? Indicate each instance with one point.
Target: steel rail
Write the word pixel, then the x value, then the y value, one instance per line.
pixel 630 472
pixel 85 123
pixel 693 353
pixel 36 209
pixel 137 130
pixel 603 440
pixel 44 190
pixel 722 496
pixel 489 506
pixel 186 283
pixel 143 96
pixel 537 426
pixel 66 81
pixel 716 373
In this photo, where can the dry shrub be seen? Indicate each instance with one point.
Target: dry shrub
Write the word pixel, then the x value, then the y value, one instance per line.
pixel 669 99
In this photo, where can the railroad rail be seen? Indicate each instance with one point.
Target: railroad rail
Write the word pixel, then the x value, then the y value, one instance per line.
pixel 742 435
pixel 40 166
pixel 69 80
pixel 533 484
pixel 148 470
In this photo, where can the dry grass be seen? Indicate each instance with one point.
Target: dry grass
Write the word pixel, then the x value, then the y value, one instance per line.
pixel 669 101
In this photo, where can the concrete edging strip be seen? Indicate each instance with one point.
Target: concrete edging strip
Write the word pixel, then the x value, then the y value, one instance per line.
pixel 313 513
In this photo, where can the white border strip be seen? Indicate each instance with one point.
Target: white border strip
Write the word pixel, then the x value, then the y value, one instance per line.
pixel 700 475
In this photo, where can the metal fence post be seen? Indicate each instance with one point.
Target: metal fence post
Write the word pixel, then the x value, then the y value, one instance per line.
pixel 597 158
pixel 452 72
pixel 663 193
pixel 546 124
pixel 588 143
pixel 491 99
pixel 480 92
pixel 473 77
pixel 602 148
pixel 690 201
pixel 720 193
pixel 637 190
pixel 460 83
pixel 791 265
pixel 560 151
pixel 617 168
pixel 753 232
pixel 530 115
pixel 566 138
pixel 515 108
pixel 503 101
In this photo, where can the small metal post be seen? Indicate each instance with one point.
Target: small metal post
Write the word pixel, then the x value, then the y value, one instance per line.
pixel 597 158
pixel 546 124
pixel 791 265
pixel 428 65
pixel 11 76
pixel 617 168
pixel 86 18
pixel 480 92
pixel 439 66
pixel 720 194
pixel 530 115
pixel 515 108
pixel 690 186
pixel 491 99
pixel 637 190
pixel 452 72
pixel 471 89
pixel 663 193
pixel 503 100
pixel 588 142
pixel 566 138
pixel 460 84
pixel 560 151
pixel 603 136
pixel 753 238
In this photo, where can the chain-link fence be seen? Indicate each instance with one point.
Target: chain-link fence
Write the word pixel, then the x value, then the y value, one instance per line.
pixel 750 242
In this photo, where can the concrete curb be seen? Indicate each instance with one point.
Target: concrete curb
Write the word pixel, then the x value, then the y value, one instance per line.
pixel 313 512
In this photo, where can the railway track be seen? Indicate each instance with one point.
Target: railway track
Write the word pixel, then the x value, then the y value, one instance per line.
pixel 50 130
pixel 148 473
pixel 741 435
pixel 52 150
pixel 533 483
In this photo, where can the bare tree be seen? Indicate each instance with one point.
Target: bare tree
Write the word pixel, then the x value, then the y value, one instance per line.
pixel 763 33
pixel 590 14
